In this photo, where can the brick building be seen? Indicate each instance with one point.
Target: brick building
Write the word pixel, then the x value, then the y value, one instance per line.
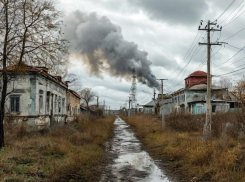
pixel 196 78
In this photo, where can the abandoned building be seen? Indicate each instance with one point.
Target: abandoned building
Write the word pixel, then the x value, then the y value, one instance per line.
pixel 73 105
pixel 192 98
pixel 38 98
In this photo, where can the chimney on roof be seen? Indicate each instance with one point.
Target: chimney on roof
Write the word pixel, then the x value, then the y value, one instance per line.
pixel 58 78
pixel 43 69
pixel 67 82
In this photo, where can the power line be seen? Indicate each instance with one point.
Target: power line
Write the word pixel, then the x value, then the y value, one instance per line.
pixel 234 19
pixel 233 55
pixel 193 55
pixel 232 63
pixel 234 34
pixel 237 12
pixel 232 12
pixel 230 72
pixel 187 54
pixel 202 60
pixel 226 9
pixel 184 72
pixel 236 47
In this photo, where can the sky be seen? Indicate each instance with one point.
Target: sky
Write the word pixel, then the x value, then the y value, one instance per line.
pixel 158 37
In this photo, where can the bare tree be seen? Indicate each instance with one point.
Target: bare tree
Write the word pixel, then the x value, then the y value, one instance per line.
pixel 239 91
pixel 225 82
pixel 30 33
pixel 73 81
pixel 87 95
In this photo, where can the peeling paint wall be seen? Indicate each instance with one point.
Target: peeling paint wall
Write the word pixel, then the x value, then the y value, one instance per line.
pixel 33 93
pixel 73 106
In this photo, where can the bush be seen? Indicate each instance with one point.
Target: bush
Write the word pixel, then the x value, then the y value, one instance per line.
pixel 222 123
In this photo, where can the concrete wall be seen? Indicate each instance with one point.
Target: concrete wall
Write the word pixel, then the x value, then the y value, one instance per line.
pixel 148 110
pixel 42 101
pixel 193 101
pixel 192 81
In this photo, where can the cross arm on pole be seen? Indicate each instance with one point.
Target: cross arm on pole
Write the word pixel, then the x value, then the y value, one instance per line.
pixel 209 29
pixel 200 43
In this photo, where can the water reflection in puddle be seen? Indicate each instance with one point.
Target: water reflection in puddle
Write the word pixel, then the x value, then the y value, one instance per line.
pixel 132 163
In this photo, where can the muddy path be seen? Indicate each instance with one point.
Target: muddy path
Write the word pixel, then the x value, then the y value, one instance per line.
pixel 126 160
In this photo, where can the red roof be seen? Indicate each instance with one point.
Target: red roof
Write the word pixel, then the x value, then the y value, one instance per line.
pixel 26 68
pixel 75 94
pixel 198 74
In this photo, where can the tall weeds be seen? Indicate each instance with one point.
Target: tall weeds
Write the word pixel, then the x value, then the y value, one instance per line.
pixel 181 148
pixel 69 153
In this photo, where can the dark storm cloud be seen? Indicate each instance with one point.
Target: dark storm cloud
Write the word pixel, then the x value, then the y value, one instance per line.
pixel 102 47
pixel 173 11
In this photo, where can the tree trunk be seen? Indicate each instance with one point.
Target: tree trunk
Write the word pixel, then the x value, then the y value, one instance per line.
pixel 2 108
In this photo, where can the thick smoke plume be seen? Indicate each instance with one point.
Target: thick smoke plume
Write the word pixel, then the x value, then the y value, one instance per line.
pixel 102 47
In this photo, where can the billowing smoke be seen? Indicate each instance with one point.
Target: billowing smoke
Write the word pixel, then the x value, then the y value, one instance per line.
pixel 100 45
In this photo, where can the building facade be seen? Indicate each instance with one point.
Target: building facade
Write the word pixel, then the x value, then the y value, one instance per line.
pixel 36 98
pixel 192 98
pixel 73 105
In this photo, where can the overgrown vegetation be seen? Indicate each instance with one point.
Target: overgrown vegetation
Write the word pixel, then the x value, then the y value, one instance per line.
pixel 70 153
pixel 180 145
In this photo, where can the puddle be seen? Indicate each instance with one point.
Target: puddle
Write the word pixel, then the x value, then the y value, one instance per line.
pixel 130 162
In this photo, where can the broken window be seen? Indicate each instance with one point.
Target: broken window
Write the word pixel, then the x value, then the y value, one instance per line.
pixel 59 105
pixel 55 104
pixel 48 102
pixel 213 108
pixel 15 103
pixel 63 106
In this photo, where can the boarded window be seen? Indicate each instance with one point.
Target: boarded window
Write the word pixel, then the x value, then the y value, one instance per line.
pixel 15 103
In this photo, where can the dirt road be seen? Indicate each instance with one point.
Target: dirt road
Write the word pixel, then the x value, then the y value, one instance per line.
pixel 127 161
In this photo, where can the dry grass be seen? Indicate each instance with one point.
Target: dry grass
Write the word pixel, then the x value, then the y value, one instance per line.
pixel 70 153
pixel 222 159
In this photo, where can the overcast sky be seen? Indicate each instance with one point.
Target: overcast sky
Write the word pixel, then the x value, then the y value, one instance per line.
pixel 156 31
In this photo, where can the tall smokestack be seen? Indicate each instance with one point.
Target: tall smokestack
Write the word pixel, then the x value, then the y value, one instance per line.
pixel 100 45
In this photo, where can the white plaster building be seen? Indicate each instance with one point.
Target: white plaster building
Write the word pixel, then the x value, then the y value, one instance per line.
pixel 36 97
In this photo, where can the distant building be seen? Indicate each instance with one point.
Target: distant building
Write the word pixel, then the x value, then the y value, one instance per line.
pixel 149 108
pixel 192 98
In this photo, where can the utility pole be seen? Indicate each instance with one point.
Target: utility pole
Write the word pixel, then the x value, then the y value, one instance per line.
pixel 154 100
pixel 97 101
pixel 109 110
pixel 208 28
pixel 129 101
pixel 163 117
pixel 154 93
pixel 104 108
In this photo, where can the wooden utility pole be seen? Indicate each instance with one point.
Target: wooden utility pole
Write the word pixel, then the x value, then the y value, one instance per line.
pixel 97 101
pixel 154 93
pixel 104 108
pixel 163 117
pixel 207 126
